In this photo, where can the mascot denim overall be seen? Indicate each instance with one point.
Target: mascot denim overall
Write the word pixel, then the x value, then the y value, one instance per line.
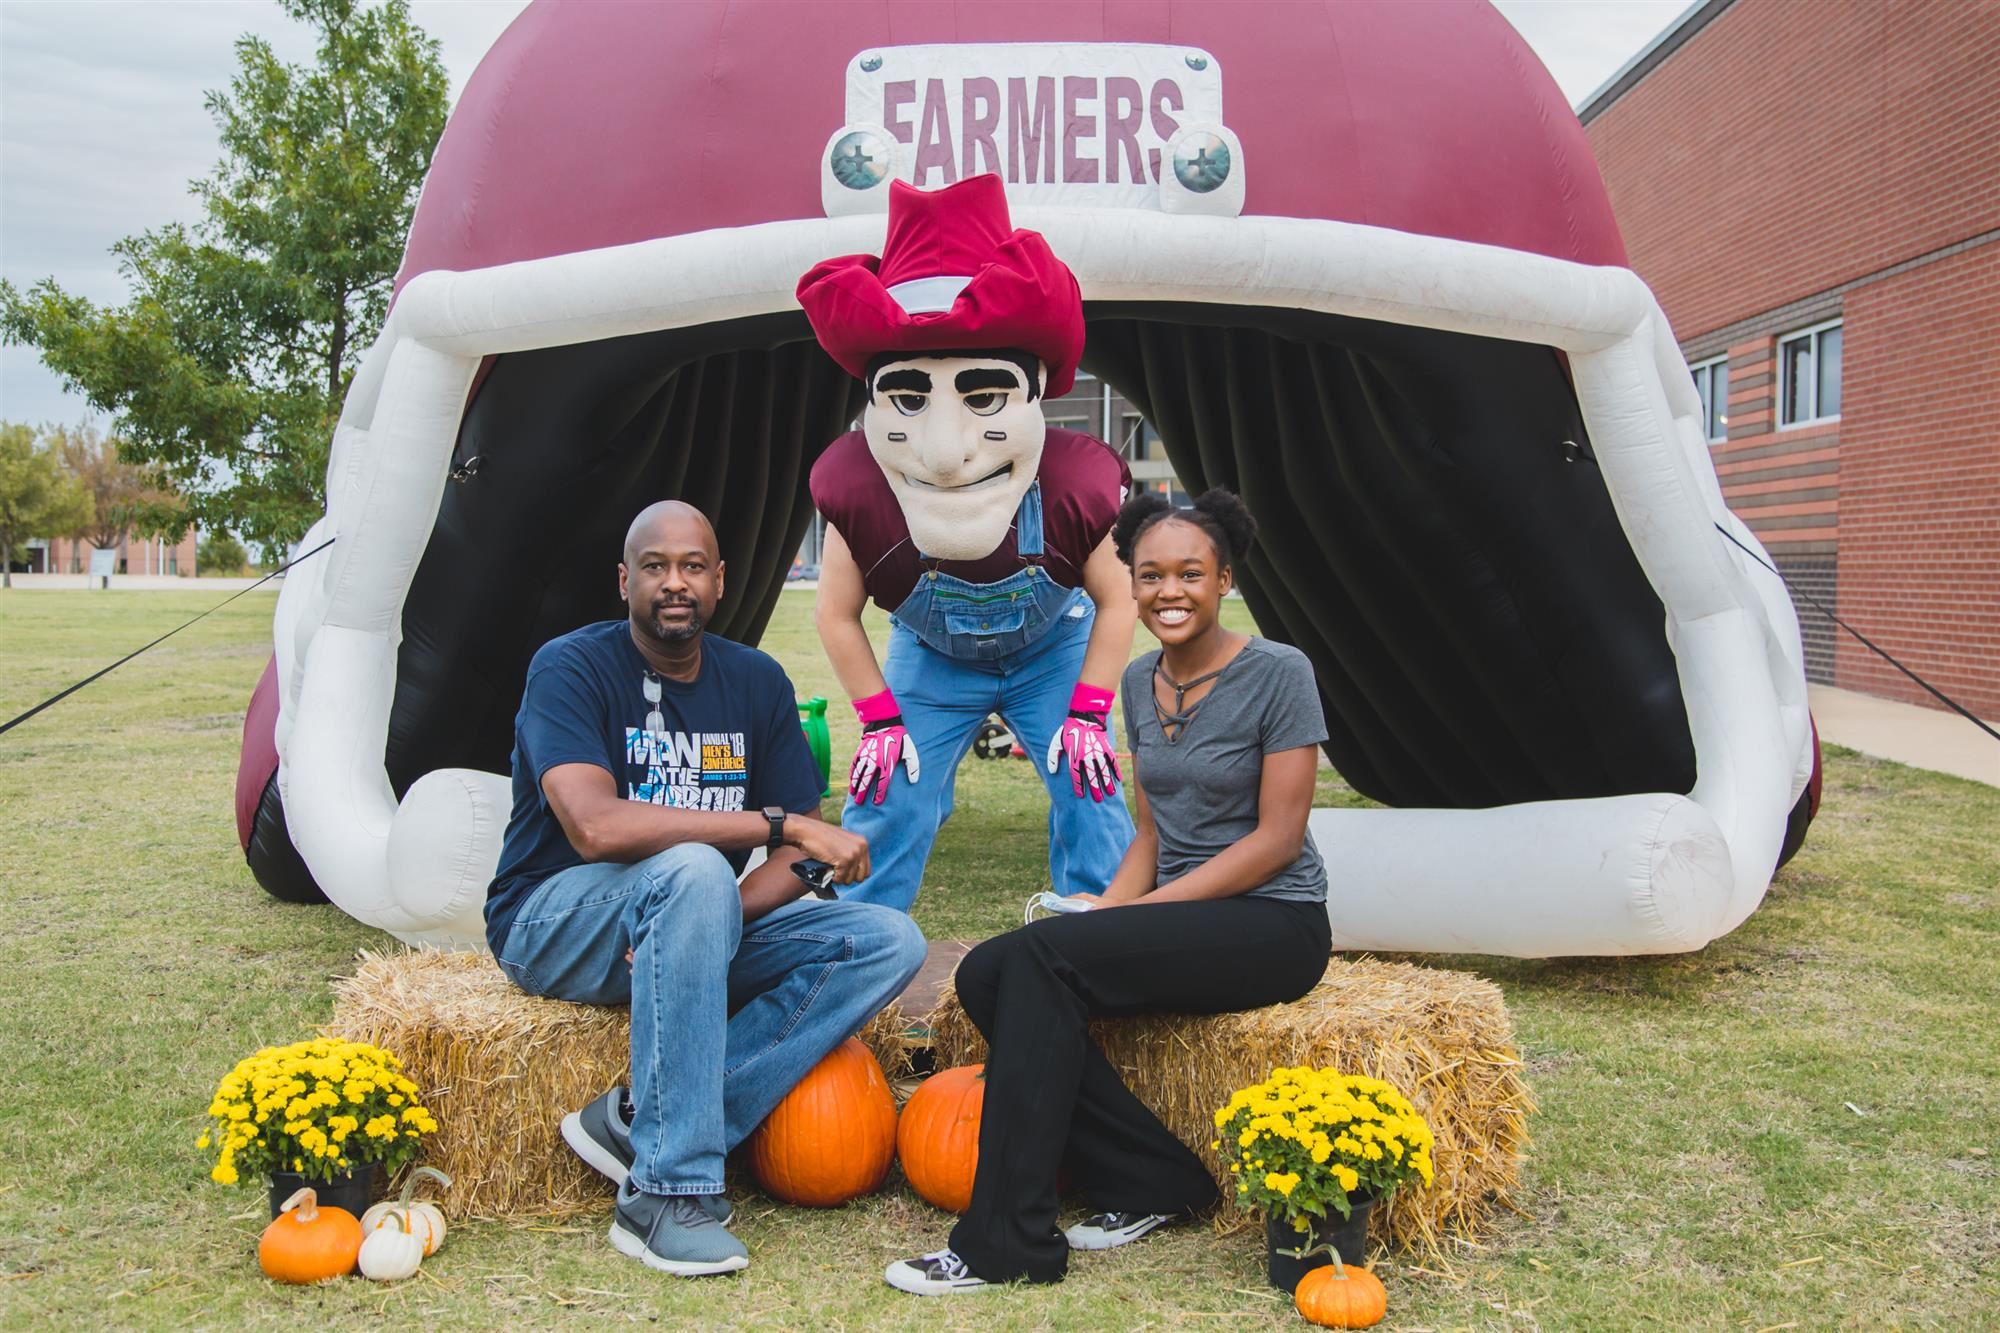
pixel 958 652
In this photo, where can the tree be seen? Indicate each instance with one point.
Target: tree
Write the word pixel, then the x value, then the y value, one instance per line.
pixel 226 369
pixel 124 496
pixel 220 553
pixel 36 495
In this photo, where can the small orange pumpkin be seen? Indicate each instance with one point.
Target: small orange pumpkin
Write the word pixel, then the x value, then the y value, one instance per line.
pixel 308 1243
pixel 938 1138
pixel 1339 1296
pixel 833 1136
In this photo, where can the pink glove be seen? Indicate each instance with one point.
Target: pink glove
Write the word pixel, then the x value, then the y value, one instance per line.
pixel 884 742
pixel 1083 738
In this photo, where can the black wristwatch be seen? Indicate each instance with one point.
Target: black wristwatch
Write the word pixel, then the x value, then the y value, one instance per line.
pixel 776 814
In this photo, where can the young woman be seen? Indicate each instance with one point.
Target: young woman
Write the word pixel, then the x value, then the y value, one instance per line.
pixel 1219 905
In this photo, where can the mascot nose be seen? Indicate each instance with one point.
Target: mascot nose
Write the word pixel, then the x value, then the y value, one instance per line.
pixel 944 449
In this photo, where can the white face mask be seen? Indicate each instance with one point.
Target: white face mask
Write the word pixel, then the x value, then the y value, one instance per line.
pixel 960 441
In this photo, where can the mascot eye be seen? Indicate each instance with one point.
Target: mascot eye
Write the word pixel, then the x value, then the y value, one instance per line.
pixel 909 404
pixel 985 404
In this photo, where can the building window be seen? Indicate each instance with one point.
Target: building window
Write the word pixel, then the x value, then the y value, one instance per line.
pixel 1137 439
pixel 1711 385
pixel 1809 375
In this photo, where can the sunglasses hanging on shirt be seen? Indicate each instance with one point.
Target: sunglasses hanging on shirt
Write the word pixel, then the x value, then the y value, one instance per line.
pixel 651 687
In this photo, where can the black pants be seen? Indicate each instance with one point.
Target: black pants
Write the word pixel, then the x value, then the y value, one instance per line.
pixel 1052 1099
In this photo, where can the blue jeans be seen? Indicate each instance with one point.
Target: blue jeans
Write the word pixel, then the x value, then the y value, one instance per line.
pixel 726 1017
pixel 943 701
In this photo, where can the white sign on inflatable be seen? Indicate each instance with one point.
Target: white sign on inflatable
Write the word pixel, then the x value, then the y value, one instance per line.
pixel 1082 125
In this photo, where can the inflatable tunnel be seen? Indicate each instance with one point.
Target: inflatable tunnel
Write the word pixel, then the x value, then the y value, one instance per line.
pixel 1353 260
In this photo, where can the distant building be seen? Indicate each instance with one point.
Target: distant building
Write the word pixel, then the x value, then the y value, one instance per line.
pixel 135 555
pixel 1813 192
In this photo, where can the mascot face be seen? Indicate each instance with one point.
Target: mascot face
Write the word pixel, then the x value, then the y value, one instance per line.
pixel 960 440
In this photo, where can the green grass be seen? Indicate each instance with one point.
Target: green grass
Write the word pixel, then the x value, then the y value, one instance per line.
pixel 1792 1128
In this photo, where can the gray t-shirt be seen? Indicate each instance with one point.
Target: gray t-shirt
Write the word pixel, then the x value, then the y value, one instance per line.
pixel 1203 786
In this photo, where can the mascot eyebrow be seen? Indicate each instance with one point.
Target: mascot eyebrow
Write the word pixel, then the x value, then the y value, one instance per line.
pixel 984 377
pixel 910 381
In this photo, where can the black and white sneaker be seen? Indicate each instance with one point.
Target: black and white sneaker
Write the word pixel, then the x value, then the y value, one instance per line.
pixel 939 1274
pixel 601 1134
pixel 1105 1231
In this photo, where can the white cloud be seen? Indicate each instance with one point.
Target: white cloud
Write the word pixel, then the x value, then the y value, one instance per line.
pixel 102 124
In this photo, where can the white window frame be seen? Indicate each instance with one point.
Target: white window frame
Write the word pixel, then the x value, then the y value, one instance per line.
pixel 1720 411
pixel 1784 396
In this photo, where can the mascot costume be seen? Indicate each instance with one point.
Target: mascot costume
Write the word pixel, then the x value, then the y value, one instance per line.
pixel 1349 258
pixel 982 532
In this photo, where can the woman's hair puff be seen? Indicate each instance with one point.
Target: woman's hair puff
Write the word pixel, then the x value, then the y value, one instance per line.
pixel 1219 513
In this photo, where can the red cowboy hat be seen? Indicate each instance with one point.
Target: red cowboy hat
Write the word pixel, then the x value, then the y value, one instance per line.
pixel 954 275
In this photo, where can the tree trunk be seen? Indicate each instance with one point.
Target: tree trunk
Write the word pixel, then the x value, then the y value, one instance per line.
pixel 338 351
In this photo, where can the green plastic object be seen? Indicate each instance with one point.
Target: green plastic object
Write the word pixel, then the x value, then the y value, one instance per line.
pixel 812 717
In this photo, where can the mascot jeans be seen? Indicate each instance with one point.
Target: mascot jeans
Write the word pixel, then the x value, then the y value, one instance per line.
pixel 944 699
pixel 726 1016
pixel 1053 1100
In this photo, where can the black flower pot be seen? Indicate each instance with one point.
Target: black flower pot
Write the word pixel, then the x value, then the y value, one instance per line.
pixel 353 1190
pixel 1349 1239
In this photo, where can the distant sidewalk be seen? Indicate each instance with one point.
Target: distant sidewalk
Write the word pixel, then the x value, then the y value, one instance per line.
pixel 132 583
pixel 1921 737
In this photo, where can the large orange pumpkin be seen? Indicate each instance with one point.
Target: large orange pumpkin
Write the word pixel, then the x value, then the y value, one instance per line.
pixel 308 1241
pixel 1341 1296
pixel 833 1136
pixel 938 1138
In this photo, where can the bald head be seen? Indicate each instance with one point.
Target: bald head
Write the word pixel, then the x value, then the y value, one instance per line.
pixel 671 576
pixel 666 524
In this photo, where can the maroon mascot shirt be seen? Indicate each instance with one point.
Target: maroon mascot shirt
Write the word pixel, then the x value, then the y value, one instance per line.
pixel 1083 483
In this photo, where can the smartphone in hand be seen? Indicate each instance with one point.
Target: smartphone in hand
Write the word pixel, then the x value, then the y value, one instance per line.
pixel 817 876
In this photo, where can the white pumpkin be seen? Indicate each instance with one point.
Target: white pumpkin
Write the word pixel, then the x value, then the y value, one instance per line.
pixel 391 1252
pixel 426 1220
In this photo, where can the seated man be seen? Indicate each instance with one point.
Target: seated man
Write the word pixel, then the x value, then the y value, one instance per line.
pixel 649 759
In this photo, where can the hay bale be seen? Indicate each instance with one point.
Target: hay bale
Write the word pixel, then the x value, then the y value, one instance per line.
pixel 1443 1038
pixel 501 1068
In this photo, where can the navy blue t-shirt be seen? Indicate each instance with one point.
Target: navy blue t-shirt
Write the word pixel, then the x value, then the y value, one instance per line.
pixel 729 740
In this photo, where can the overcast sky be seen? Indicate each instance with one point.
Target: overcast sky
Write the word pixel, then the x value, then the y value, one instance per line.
pixel 102 124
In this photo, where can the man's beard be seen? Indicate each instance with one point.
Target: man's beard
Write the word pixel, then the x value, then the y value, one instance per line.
pixel 677 634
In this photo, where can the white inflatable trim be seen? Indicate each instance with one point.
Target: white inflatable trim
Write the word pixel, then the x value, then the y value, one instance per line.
pixel 1658 873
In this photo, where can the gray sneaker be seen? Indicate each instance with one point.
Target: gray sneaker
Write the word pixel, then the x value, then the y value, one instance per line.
pixel 601 1134
pixel 674 1233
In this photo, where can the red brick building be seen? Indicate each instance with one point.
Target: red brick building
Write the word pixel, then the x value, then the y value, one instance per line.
pixel 136 555
pixel 1813 192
